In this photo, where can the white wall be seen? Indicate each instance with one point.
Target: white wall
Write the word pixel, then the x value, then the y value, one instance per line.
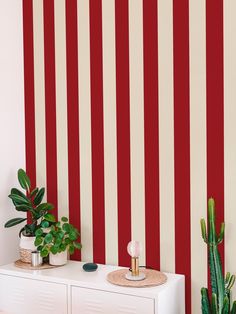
pixel 12 141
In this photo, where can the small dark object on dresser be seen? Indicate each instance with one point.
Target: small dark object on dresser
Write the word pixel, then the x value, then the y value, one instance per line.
pixel 89 267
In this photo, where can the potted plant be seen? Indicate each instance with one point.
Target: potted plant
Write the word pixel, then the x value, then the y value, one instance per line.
pixel 36 212
pixel 58 242
pixel 220 300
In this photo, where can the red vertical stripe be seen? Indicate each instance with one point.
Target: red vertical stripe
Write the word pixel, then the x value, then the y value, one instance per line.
pixel 29 90
pixel 50 102
pixel 182 143
pixel 151 133
pixel 97 131
pixel 73 115
pixel 215 107
pixel 123 128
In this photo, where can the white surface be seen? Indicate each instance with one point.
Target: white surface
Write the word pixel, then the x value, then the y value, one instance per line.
pixel 168 298
pixel 12 141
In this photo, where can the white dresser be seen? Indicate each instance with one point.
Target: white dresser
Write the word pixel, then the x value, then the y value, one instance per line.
pixel 71 290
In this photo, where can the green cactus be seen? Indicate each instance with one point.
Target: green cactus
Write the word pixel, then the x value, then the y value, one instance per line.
pixel 221 289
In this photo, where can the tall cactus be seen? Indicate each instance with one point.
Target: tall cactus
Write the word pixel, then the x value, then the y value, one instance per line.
pixel 220 299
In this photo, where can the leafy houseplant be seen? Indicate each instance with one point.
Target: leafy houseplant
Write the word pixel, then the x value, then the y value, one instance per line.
pixel 62 237
pixel 30 203
pixel 219 303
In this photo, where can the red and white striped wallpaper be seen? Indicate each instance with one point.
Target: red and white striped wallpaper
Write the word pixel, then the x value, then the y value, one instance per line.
pixel 130 110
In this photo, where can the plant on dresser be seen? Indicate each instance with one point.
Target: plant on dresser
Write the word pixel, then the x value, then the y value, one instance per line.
pixel 61 239
pixel 219 303
pixel 36 212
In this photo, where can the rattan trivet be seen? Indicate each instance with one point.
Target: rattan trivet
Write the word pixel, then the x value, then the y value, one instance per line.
pixel 23 265
pixel 153 278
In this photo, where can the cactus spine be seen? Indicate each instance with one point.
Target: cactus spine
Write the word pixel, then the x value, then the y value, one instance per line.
pixel 220 299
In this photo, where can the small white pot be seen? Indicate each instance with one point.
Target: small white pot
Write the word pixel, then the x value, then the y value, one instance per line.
pixel 58 259
pixel 26 247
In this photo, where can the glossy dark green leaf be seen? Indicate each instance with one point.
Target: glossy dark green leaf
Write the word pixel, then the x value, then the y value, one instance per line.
pixel 71 249
pixel 64 219
pixel 23 208
pixel 14 221
pixel 39 232
pixel 23 180
pixel 18 200
pixel 39 196
pixel 50 217
pixel 35 191
pixel 44 207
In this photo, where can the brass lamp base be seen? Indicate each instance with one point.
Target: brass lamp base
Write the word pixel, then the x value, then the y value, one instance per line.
pixel 135 275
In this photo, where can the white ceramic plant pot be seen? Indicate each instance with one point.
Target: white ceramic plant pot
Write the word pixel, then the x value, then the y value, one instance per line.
pixel 26 247
pixel 58 259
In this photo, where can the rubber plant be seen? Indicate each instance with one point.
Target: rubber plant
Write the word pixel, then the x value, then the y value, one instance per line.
pixel 220 300
pixel 31 204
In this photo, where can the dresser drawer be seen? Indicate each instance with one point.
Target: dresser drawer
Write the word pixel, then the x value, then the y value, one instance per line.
pixel 27 296
pixel 90 301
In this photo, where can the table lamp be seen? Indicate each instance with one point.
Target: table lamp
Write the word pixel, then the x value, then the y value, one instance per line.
pixel 134 249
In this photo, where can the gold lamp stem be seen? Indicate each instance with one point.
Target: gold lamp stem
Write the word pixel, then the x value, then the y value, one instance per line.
pixel 135 266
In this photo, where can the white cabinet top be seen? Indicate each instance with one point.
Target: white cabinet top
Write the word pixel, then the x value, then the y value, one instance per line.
pixel 73 274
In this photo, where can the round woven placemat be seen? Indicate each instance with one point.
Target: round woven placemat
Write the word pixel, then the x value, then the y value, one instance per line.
pixel 153 278
pixel 23 265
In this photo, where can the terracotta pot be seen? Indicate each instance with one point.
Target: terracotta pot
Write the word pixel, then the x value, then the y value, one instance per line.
pixel 26 247
pixel 58 259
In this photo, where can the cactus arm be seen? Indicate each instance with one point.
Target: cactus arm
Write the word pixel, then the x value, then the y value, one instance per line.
pixel 219 278
pixel 233 310
pixel 225 309
pixel 227 278
pixel 214 305
pixel 205 302
pixel 231 282
pixel 203 229
pixel 221 234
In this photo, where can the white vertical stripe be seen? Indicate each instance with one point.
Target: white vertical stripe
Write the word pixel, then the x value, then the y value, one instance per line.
pixel 61 108
pixel 230 131
pixel 39 94
pixel 110 159
pixel 85 131
pixel 198 147
pixel 137 123
pixel 166 135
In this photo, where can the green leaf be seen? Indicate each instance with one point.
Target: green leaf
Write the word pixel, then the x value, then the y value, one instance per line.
pixel 18 192
pixel 35 191
pixel 44 207
pixel 77 245
pixel 71 249
pixel 62 247
pixel 19 200
pixel 225 309
pixel 45 224
pixel 39 248
pixel 66 227
pixel 23 208
pixel 44 252
pixel 38 241
pixel 48 238
pixel 64 219
pixel 50 217
pixel 73 236
pixel 54 249
pixel 39 196
pixel 38 232
pixel 58 242
pixel 68 241
pixel 23 180
pixel 14 221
